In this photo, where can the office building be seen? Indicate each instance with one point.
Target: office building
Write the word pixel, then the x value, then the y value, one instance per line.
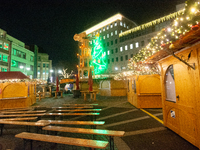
pixel 121 38
pixel 5 50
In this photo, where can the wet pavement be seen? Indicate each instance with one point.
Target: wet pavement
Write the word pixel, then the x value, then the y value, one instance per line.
pixel 142 132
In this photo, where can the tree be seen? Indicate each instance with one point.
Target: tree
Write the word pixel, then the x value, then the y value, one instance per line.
pixel 98 57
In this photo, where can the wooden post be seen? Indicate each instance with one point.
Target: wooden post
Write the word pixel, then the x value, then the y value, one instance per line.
pixel 55 94
pixel 43 91
pixel 95 96
pixel 91 95
pixel 84 96
pixel 39 96
pixel 61 93
pixel 50 90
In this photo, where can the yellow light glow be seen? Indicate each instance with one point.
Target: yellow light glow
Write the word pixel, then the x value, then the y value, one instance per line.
pixel 104 23
pixel 193 10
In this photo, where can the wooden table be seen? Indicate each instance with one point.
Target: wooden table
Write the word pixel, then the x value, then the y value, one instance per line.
pixel 91 94
pixel 56 92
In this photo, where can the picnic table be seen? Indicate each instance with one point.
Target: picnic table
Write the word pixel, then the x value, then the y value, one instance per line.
pixel 91 94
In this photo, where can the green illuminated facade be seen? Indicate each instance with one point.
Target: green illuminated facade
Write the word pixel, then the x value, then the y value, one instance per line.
pixel 5 49
pixel 98 57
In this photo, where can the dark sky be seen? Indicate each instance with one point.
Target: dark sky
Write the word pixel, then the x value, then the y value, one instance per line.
pixel 51 24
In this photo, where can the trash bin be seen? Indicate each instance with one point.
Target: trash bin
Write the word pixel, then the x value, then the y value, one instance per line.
pixel 76 93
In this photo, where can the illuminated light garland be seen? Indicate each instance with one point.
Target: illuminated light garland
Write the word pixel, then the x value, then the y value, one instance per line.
pixel 177 29
pixel 98 57
pixel 154 22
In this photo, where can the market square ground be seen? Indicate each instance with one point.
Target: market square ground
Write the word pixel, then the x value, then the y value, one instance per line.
pixel 142 131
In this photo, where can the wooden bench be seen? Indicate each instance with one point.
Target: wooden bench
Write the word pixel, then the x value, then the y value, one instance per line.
pixel 20 119
pixel 28 124
pixel 72 107
pixel 91 123
pixel 16 109
pixel 23 115
pixel 23 112
pixel 110 133
pixel 62 140
pixel 73 114
pixel 80 105
pixel 72 110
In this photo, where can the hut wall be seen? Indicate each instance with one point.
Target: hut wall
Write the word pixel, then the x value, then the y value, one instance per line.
pixel 17 94
pixel 113 88
pixel 182 115
pixel 145 91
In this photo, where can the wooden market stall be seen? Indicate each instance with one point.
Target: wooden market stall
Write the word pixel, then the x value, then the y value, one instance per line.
pixel 144 91
pixel 180 81
pixel 16 90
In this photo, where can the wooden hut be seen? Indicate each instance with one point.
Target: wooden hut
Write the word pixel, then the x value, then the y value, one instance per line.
pixel 180 78
pixel 144 91
pixel 15 92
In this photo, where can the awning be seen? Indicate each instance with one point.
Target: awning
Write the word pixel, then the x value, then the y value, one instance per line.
pixel 12 75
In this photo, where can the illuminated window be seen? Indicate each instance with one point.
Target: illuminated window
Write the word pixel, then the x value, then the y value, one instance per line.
pixel 14 63
pixel 104 37
pixel 121 24
pixel 111 26
pixel 131 46
pixel 103 28
pixel 108 52
pixel 126 47
pixel 121 31
pixel 5 46
pixel 100 31
pixel 107 27
pixel 115 23
pixel 116 68
pixel 1 44
pixel 125 25
pixel 5 58
pixel 137 45
pixel 111 33
pixel 121 49
pixel 107 35
pixel 115 32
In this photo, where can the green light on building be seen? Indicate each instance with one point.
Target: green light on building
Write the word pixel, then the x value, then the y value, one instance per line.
pixel 98 57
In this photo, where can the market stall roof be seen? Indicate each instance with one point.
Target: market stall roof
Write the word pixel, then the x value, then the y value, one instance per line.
pixel 12 75
pixel 190 38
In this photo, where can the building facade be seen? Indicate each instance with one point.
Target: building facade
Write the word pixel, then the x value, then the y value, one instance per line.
pixel 121 38
pixel 22 59
pixel 44 67
pixel 5 50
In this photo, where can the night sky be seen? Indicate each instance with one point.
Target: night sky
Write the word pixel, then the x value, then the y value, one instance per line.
pixel 51 24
